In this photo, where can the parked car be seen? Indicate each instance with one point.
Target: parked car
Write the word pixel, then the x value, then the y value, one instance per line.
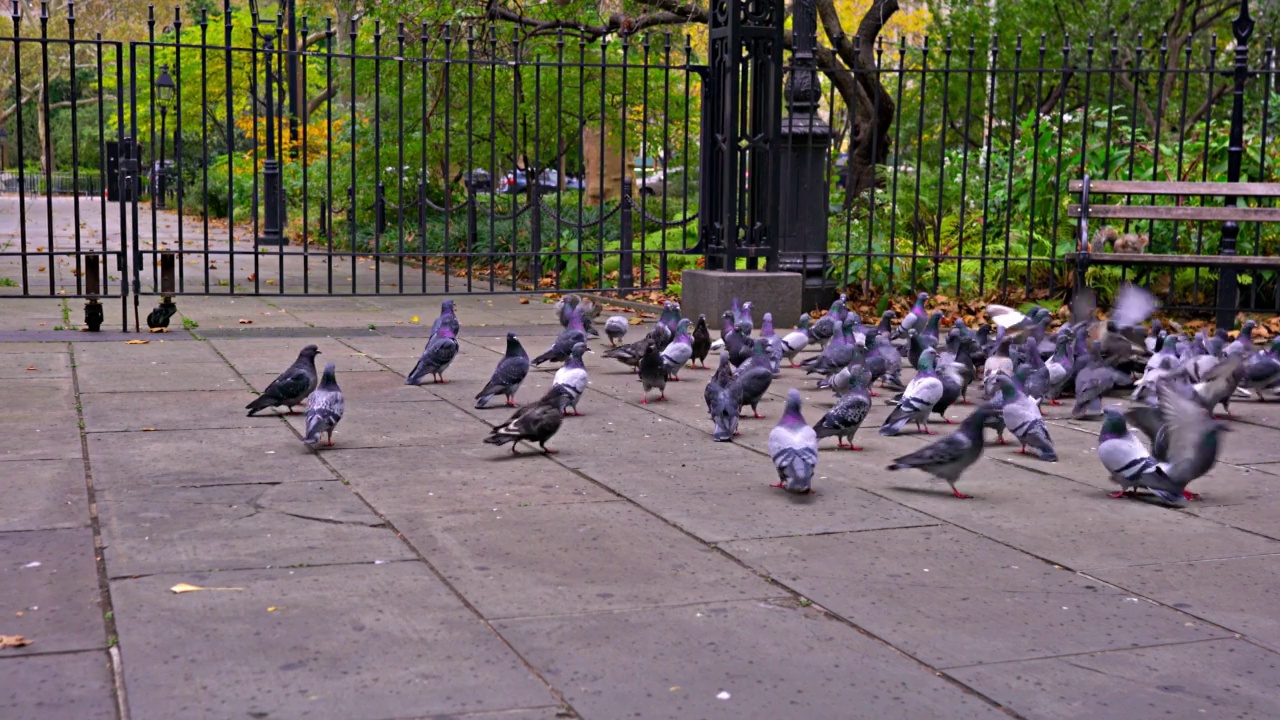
pixel 662 182
pixel 478 181
pixel 517 181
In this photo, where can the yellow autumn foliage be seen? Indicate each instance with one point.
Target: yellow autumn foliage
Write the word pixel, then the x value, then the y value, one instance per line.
pixel 313 136
pixel 910 22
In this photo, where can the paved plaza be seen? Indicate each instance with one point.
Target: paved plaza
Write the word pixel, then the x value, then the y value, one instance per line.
pixel 412 571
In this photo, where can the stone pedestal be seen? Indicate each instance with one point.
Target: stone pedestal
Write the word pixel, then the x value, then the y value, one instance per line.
pixel 711 292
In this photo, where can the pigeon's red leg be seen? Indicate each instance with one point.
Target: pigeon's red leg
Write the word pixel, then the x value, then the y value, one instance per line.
pixel 511 402
pixel 1055 403
pixel 549 451
pixel 576 413
pixel 960 495
pixel 1001 441
pixel 840 443
pixel 756 414
pixel 947 420
pixel 1117 494
pixel 662 397
pixel 875 394
pixel 644 400
pixel 1023 451
pixel 1190 495
pixel 777 485
pixel 854 447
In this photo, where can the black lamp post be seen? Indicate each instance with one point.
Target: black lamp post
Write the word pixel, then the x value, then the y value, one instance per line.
pixel 165 90
pixel 272 188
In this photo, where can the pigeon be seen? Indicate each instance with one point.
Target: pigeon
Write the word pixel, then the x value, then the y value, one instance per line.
pixel 572 376
pixel 535 422
pixel 1013 322
pixel 1220 383
pixel 664 330
pixel 772 344
pixel 1155 337
pixel 735 341
pixel 572 304
pixel 794 342
pixel 1060 368
pixel 1262 370
pixel 998 362
pixel 1243 344
pixel 793 445
pixel 916 318
pixel 918 399
pixel 949 457
pixel 324 409
pixel 742 316
pixel 677 352
pixel 653 374
pixel 1022 417
pixel 448 318
pixel 1130 464
pixel 630 353
pixel 1093 381
pixel 507 376
pixel 750 385
pixel 843 420
pixel 1184 436
pixel 828 325
pixel 436 357
pixel 926 338
pixel 563 345
pixel 292 387
pixel 615 328
pixel 701 344
pixel 723 401
pixel 892 376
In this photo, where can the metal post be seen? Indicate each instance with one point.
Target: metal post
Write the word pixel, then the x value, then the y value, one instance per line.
pixel 1228 287
pixel 157 192
pixel 626 261
pixel 273 217
pixel 806 144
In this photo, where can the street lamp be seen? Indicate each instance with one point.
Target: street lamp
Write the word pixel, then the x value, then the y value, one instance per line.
pixel 165 88
pixel 272 187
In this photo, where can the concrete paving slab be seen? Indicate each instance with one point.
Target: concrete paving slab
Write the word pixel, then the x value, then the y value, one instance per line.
pixel 18 348
pixel 53 437
pixel 32 400
pixel 398 478
pixel 398 424
pixel 28 366
pixel 1030 512
pixel 43 495
pixel 71 685
pixel 952 598
pixel 586 557
pixel 397 351
pixel 1257 516
pixel 704 661
pixel 367 641
pixel 154 377
pixel 172 349
pixel 360 388
pixel 177 410
pixel 58 596
pixel 1214 678
pixel 267 453
pixel 272 355
pixel 1237 593
pixel 151 530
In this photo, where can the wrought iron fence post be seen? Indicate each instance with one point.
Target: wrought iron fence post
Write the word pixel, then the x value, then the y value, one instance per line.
pixel 272 191
pixel 806 144
pixel 1228 285
pixel 535 231
pixel 626 261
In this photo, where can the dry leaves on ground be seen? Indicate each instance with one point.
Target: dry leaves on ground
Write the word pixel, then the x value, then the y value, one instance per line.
pixel 12 641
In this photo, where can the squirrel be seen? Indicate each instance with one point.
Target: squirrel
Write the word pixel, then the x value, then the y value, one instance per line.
pixel 1128 243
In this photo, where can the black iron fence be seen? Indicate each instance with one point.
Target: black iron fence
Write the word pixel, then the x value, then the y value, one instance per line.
pixel 275 155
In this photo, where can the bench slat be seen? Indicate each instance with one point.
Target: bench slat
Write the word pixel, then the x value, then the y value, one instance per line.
pixel 1178 212
pixel 1154 187
pixel 1247 261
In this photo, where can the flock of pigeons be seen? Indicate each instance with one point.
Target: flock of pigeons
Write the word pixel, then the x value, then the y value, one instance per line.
pixel 1176 381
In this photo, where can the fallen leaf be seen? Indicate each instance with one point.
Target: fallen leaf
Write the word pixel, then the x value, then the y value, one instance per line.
pixel 413 319
pixel 243 321
pixel 8 641
pixel 252 276
pixel 159 330
pixel 40 269
pixel 635 320
pixel 524 301
pixel 271 282
pixel 273 608
pixel 136 342
pixel 186 588
pixel 31 367
pixel 19 614
pixel 148 429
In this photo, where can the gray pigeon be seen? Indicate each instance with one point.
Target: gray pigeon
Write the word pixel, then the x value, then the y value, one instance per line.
pixel 794 342
pixel 563 345
pixel 1022 417
pixel 1093 381
pixel 772 344
pixel 535 422
pixel 324 409
pixel 292 387
pixel 723 402
pixel 572 377
pixel 843 420
pixel 918 399
pixel 677 352
pixel 1185 438
pixel 1130 465
pixel 752 382
pixel 793 445
pixel 448 318
pixel 615 328
pixel 506 378
pixel 436 357
pixel 949 457
pixel 653 373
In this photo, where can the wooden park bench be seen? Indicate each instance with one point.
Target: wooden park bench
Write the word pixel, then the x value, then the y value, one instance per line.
pixel 1229 214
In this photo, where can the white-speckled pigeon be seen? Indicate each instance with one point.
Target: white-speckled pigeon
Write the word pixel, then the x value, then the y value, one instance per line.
pixel 324 409
pixel 292 386
pixel 843 420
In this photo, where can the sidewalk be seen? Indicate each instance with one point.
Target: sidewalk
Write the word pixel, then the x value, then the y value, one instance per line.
pixel 644 572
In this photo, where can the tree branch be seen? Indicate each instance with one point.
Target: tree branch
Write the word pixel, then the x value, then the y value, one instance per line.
pixel 1056 94
pixel 617 22
pixel 314 103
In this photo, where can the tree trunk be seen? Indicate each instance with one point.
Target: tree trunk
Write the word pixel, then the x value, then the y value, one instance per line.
pixel 871 107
